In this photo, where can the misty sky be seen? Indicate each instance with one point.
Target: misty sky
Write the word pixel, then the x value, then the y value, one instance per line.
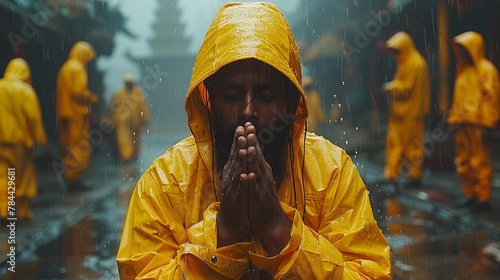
pixel 195 14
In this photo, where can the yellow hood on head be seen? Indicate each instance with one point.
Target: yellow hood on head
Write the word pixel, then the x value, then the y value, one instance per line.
pixel 82 51
pixel 474 44
pixel 243 31
pixel 402 42
pixel 18 68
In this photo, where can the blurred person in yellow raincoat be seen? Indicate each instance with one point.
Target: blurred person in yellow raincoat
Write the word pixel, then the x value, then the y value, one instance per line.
pixel 21 130
pixel 475 110
pixel 130 117
pixel 316 115
pixel 73 102
pixel 251 194
pixel 409 103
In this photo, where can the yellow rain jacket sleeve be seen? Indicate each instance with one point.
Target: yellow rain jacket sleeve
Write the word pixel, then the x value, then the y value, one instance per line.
pixel 170 230
pixel 476 95
pixel 20 115
pixel 410 88
pixel 73 96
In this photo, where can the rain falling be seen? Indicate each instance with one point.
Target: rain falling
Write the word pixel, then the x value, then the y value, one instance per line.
pixel 145 137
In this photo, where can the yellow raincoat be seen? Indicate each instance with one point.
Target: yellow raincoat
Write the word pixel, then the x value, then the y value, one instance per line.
pixel 170 229
pixel 409 103
pixel 21 129
pixel 130 114
pixel 475 107
pixel 73 107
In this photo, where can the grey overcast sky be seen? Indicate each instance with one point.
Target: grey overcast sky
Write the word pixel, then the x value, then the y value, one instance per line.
pixel 195 14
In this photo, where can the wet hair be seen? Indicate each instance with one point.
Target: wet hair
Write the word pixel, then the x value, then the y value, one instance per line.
pixel 293 97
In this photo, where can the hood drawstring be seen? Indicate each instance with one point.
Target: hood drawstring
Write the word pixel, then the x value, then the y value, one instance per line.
pixel 292 159
pixel 213 149
pixel 303 168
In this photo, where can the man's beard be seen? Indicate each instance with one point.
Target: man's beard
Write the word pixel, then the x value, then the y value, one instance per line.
pixel 274 145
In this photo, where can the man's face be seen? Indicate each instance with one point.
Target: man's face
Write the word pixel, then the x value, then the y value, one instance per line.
pixel 250 90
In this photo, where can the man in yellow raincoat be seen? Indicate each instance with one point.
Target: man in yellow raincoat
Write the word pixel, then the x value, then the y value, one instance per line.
pixel 21 129
pixel 73 103
pixel 316 115
pixel 474 111
pixel 251 194
pixel 409 103
pixel 130 116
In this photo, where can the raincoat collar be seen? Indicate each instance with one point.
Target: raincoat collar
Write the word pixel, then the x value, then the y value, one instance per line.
pixel 82 51
pixel 18 68
pixel 242 31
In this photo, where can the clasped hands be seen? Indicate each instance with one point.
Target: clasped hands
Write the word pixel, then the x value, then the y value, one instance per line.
pixel 249 204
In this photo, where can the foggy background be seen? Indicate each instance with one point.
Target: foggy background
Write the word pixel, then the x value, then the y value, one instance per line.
pixel 341 44
pixel 195 15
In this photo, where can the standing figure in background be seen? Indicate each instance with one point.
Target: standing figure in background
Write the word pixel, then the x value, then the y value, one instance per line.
pixel 130 117
pixel 73 104
pixel 474 112
pixel 21 129
pixel 316 114
pixel 409 103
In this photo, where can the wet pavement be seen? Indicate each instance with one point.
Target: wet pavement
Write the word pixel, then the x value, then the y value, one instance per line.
pixel 429 237
pixel 76 235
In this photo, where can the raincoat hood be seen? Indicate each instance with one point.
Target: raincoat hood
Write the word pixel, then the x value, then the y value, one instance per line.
pixel 262 34
pixel 403 43
pixel 18 68
pixel 82 51
pixel 474 44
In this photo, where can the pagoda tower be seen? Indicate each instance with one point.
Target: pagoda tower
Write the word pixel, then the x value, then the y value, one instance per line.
pixel 166 72
pixel 168 38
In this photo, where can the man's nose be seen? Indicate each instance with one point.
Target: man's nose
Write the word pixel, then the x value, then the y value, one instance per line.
pixel 249 108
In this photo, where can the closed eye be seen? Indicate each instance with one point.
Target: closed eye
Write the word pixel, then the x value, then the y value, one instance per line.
pixel 267 93
pixel 232 93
